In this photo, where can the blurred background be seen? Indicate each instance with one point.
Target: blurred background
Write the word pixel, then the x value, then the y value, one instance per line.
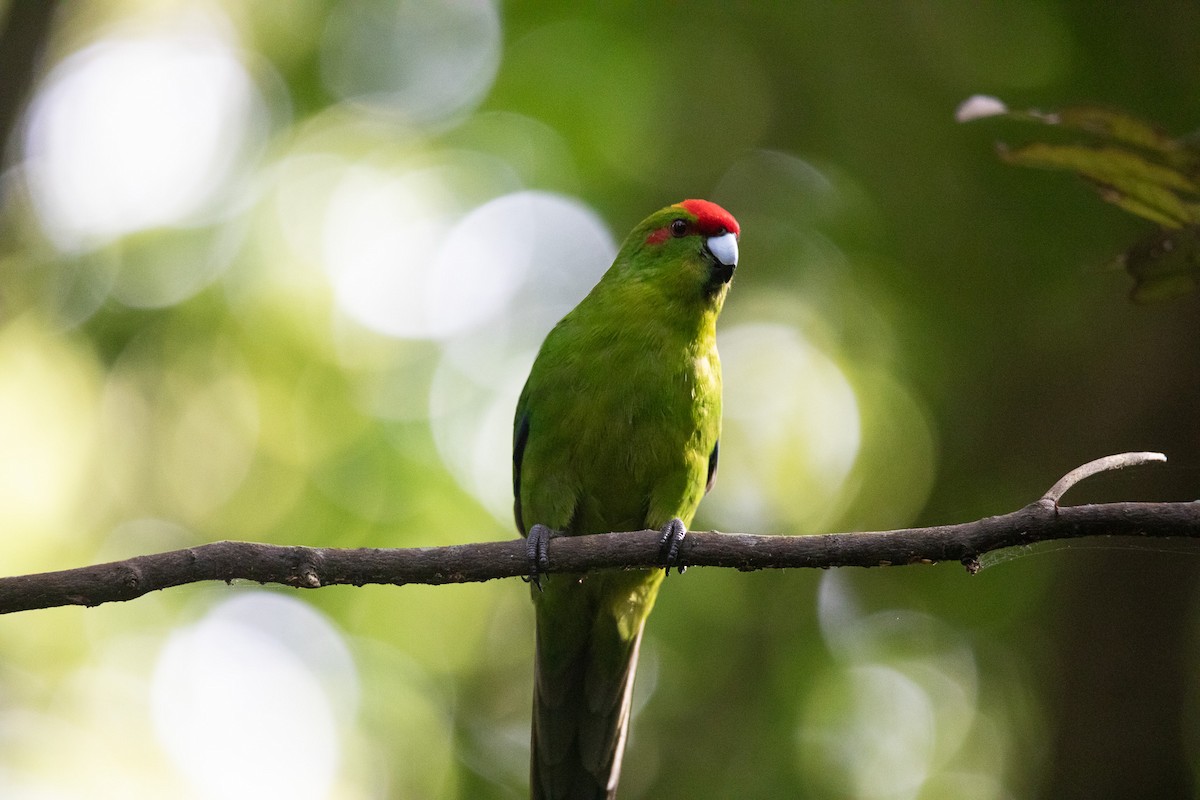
pixel 277 271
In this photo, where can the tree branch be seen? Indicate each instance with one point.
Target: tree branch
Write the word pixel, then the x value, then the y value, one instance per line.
pixel 313 567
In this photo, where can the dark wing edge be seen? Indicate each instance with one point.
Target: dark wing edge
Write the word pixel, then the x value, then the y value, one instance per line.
pixel 712 466
pixel 520 438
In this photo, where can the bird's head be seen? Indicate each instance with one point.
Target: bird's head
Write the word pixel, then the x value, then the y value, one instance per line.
pixel 689 249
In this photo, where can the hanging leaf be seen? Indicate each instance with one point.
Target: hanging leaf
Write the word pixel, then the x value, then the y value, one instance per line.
pixel 1118 126
pixel 1149 202
pixel 1102 123
pixel 1126 179
pixel 1132 165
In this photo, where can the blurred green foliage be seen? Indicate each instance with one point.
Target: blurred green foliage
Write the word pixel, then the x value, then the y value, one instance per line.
pixel 276 271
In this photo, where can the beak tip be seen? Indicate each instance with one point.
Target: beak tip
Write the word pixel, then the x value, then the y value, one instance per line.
pixel 725 249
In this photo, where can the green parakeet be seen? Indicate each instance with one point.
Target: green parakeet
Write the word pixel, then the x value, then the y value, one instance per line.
pixel 616 430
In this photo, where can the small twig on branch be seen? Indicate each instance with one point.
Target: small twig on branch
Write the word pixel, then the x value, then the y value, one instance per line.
pixel 313 567
pixel 1106 464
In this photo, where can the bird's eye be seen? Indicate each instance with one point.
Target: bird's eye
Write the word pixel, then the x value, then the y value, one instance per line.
pixel 678 228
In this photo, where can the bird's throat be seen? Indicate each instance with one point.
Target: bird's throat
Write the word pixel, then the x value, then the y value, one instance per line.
pixel 719 277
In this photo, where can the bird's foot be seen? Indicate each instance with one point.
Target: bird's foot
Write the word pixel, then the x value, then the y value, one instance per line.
pixel 668 544
pixel 537 550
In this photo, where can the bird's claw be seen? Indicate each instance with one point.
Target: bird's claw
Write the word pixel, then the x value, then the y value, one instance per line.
pixel 668 545
pixel 537 550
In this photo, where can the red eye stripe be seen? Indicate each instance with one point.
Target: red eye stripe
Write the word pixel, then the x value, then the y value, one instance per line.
pixel 659 236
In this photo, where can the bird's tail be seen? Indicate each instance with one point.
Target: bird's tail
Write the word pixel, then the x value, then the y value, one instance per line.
pixel 582 694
